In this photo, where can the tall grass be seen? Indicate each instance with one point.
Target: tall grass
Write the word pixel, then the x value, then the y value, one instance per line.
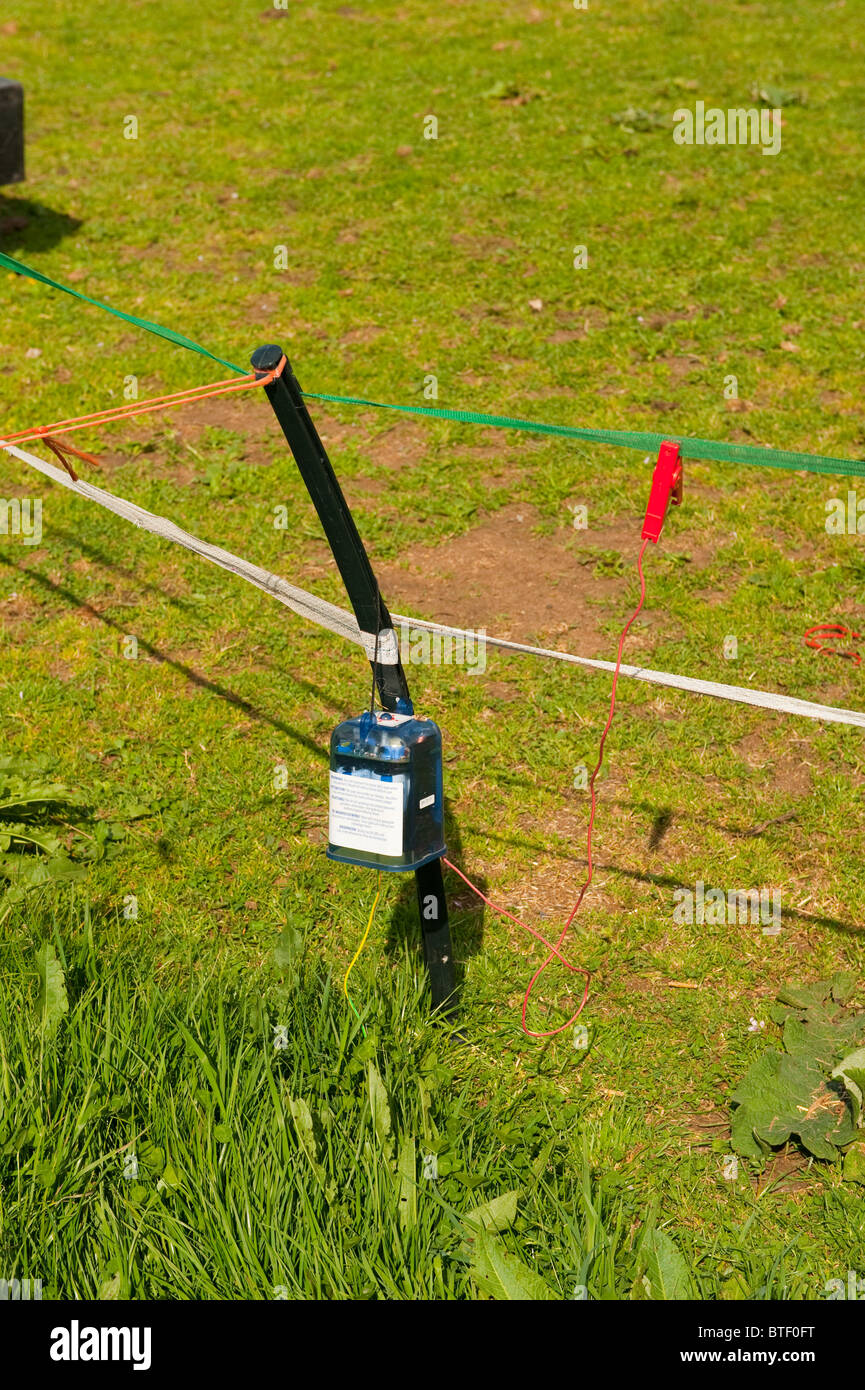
pixel 185 1133
pixel 171 1129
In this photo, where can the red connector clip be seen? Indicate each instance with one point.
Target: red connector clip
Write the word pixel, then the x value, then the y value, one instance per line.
pixel 666 488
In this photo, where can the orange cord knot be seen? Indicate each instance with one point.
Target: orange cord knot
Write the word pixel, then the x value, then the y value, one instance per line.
pixel 62 451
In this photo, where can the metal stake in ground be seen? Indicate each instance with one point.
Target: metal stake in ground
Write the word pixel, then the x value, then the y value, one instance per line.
pixel 372 615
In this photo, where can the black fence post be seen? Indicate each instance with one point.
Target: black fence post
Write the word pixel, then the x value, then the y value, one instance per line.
pixel 286 398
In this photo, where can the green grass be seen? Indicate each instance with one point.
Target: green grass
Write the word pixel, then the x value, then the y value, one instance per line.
pixel 183 1136
pixel 703 263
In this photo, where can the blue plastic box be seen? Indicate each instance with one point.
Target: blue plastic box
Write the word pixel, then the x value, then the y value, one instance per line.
pixel 386 803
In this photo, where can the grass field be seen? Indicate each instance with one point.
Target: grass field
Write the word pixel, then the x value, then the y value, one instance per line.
pixel 207 1118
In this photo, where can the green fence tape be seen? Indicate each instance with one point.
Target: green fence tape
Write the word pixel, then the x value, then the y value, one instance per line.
pixel 629 439
pixel 712 449
pixel 19 268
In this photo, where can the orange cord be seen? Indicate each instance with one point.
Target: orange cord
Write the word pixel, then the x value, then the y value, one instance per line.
pixel 104 417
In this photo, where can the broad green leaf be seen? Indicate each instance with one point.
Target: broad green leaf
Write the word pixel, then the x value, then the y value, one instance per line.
pixel 843 984
pixel 495 1215
pixel 776 96
pixel 47 1170
pixel 668 1274
pixel 170 1177
pixel 734 1288
pixel 850 1070
pixel 783 1096
pixel 854 1081
pixel 64 870
pixel 302 1116
pixel 52 1002
pixel 821 1035
pixel 854 1164
pixel 407 1171
pixel 742 1137
pixel 28 835
pixel 380 1109
pixel 289 948
pixel 111 1287
pixel 151 1157
pixel 804 996
pixel 501 1274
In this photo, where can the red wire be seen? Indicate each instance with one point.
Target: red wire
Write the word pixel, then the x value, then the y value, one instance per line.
pixel 555 950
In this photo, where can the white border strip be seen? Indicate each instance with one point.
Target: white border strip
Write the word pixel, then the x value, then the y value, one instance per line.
pixel 309 606
pixel 764 699
pixel 338 620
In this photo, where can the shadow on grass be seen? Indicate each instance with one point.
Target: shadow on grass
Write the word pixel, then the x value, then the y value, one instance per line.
pixel 28 227
pixel 811 919
pixel 133 577
pixel 467 932
pixel 194 677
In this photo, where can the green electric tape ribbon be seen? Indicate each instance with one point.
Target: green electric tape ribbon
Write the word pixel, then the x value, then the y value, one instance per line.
pixel 712 449
pixel 19 268
pixel 631 439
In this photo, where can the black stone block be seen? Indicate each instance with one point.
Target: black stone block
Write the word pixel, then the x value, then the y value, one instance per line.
pixel 11 131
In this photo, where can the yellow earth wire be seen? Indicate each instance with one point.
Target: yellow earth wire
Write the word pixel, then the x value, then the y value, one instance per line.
pixel 360 948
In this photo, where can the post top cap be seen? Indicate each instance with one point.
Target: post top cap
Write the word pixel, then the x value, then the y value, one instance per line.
pixel 265 359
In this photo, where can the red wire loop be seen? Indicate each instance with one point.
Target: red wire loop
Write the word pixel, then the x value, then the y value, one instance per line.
pixel 555 951
pixel 837 632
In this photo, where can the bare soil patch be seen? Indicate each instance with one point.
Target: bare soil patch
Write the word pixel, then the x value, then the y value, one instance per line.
pixel 519 585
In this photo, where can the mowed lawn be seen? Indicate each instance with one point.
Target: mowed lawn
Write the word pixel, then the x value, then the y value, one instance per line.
pixel 207 1118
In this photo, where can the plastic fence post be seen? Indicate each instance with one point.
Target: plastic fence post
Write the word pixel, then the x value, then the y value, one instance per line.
pixel 311 457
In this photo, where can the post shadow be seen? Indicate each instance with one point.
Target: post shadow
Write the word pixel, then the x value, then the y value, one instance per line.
pixel 27 226
pixel 467 931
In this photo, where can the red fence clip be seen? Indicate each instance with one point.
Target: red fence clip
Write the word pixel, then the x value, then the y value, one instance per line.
pixel 666 488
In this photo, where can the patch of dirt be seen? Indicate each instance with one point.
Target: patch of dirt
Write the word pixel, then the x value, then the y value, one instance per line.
pixel 238 414
pixel 568 335
pixel 364 333
pixel 245 416
pixel 577 326
pixel 516 584
pixel 16 611
pixel 482 247
pixel 332 432
pixel 663 320
pixel 398 447
pixel 785 1173
pixel 681 368
pixel 359 489
pixel 61 671
pixel 704 1127
pixel 502 690
pixel 790 773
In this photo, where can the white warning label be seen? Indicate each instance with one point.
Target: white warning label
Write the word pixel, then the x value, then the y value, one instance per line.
pixel 365 814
